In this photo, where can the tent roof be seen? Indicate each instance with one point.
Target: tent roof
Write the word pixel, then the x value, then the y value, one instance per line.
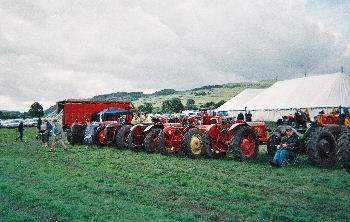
pixel 330 90
pixel 111 111
pixel 238 102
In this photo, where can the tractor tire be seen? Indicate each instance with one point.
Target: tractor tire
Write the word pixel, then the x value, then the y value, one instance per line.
pixel 322 148
pixel 192 143
pixel 344 151
pixel 151 145
pixel 305 140
pixel 208 151
pixel 163 149
pixel 275 139
pixel 279 122
pixel 121 139
pixel 244 144
pixel 98 137
pixel 131 143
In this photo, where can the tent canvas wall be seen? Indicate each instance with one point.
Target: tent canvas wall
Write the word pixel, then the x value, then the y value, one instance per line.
pixel 238 102
pixel 314 92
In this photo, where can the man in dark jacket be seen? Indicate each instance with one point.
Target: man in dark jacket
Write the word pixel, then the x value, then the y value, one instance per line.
pixel 20 130
pixel 75 132
pixel 289 143
pixel 240 116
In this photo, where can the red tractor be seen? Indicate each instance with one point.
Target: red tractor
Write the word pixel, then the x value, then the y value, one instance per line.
pixel 214 138
pixel 114 133
pixel 143 135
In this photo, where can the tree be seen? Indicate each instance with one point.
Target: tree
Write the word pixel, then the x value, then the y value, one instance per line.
pixel 36 110
pixel 220 103
pixel 208 105
pixel 148 107
pixel 190 104
pixel 140 108
pixel 172 105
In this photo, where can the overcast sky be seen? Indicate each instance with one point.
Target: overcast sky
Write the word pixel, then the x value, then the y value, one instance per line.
pixel 51 50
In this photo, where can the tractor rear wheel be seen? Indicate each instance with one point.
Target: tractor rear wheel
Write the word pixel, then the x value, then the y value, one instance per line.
pixel 275 139
pixel 345 120
pixel 322 148
pixel 131 142
pixel 244 144
pixel 344 151
pixel 208 151
pixel 151 139
pixel 162 146
pixel 192 143
pixel 99 140
pixel 121 139
pixel 70 136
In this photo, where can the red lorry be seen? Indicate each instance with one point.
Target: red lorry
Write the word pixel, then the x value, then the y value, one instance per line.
pixel 82 110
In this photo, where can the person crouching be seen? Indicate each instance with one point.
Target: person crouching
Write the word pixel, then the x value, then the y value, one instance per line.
pixel 289 143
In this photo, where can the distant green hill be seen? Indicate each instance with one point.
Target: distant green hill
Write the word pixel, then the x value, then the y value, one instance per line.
pixel 201 96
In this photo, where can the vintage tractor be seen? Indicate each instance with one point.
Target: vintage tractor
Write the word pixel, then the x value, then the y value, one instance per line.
pixel 240 138
pixel 324 141
pixel 175 137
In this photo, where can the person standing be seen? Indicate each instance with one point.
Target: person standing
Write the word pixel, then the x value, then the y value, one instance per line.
pixel 89 133
pixel 75 132
pixel 57 136
pixel 20 129
pixel 38 125
pixel 248 117
pixel 44 130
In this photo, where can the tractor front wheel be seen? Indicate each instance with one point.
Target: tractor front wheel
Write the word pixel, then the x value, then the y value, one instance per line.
pixel 322 148
pixel 244 144
pixel 151 139
pixel 99 140
pixel 192 143
pixel 344 151
pixel 121 139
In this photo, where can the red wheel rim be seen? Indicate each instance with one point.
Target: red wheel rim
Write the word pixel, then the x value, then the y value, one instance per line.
pixel 248 145
pixel 126 137
pixel 100 137
pixel 155 140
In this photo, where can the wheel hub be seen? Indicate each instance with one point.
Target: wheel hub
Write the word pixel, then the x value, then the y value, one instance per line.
pixel 196 146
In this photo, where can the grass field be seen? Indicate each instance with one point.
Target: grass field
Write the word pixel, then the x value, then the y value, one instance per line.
pixel 108 184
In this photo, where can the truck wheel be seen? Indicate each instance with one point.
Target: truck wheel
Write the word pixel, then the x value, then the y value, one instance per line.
pixel 151 139
pixel 344 151
pixel 131 143
pixel 192 143
pixel 322 148
pixel 162 146
pixel 244 144
pixel 121 139
pixel 99 141
pixel 208 151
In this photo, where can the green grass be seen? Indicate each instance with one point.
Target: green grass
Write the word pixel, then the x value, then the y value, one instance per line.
pixel 108 184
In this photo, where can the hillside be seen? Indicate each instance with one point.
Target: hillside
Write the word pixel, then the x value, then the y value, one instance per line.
pixel 202 95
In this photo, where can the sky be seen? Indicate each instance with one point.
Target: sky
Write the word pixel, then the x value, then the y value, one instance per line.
pixel 53 50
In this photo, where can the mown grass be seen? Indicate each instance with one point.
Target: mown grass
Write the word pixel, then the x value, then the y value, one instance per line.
pixel 108 184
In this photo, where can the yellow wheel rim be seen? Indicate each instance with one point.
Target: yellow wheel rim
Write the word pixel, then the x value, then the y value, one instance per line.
pixel 196 145
pixel 347 122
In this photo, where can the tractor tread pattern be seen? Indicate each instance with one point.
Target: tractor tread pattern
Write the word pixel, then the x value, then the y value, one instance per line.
pixel 161 144
pixel 186 143
pixel 344 151
pixel 96 136
pixel 236 143
pixel 120 135
pixel 131 144
pixel 149 140
pixel 312 148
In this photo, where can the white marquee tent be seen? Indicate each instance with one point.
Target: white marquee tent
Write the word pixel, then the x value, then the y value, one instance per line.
pixel 314 93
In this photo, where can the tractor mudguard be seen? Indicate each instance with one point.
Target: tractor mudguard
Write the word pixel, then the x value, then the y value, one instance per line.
pixel 136 130
pixel 212 130
pixel 235 126
pixel 150 127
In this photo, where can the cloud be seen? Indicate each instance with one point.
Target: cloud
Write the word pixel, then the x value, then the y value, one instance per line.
pixel 52 50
